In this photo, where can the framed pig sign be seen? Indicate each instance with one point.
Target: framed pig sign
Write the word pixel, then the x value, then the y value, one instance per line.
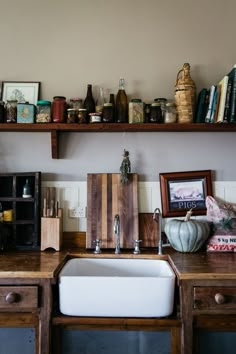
pixel 182 191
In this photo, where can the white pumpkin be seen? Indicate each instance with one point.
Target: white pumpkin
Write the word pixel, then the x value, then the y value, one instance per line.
pixel 187 235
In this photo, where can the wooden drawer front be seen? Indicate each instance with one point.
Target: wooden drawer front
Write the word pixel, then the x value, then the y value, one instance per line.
pixel 214 298
pixel 18 297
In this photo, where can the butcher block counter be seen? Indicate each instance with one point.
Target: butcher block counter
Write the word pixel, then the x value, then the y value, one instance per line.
pixel 205 296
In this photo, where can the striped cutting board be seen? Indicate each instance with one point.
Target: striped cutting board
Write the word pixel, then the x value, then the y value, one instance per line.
pixel 106 197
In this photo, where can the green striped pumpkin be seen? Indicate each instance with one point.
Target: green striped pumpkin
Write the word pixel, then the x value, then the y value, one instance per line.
pixel 187 235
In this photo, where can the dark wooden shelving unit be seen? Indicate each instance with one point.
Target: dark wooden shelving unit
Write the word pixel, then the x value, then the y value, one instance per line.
pixel 54 129
pixel 24 229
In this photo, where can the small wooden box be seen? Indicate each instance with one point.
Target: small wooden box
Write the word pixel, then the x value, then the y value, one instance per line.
pixel 51 233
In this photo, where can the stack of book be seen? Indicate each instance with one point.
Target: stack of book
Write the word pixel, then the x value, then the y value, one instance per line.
pixel 218 103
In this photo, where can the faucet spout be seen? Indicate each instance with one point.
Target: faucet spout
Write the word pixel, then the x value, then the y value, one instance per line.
pixel 158 220
pixel 117 233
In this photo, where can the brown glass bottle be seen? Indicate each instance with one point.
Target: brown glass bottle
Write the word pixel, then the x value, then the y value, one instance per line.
pixel 112 101
pixel 121 104
pixel 89 102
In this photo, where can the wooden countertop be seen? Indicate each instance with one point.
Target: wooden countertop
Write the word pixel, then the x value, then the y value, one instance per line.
pixel 188 266
pixel 30 264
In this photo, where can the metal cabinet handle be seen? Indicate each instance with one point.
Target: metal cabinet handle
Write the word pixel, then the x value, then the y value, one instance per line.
pixel 219 299
pixel 12 297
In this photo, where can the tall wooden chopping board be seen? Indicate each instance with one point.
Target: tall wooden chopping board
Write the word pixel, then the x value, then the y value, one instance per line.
pixel 106 197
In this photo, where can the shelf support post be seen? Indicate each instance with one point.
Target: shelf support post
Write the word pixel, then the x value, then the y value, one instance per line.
pixel 55 144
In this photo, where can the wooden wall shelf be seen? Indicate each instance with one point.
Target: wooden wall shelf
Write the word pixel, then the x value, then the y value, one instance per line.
pixel 55 129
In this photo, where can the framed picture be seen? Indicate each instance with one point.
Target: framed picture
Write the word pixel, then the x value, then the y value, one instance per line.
pixel 20 91
pixel 181 191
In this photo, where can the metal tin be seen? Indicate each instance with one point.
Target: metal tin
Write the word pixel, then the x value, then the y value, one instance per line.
pixel 25 113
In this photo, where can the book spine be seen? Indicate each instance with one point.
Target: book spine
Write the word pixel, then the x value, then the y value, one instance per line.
pixel 224 85
pixel 232 116
pixel 227 103
pixel 209 110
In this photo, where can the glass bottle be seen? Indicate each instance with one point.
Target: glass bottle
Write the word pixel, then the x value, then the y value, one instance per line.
pixel 112 101
pixel 26 190
pixel 121 103
pixel 100 101
pixel 89 102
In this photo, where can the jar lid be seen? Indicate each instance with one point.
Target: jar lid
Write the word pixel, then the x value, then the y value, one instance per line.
pixel 76 99
pixel 156 104
pixel 95 114
pixel 59 97
pixel 108 104
pixel 160 99
pixel 71 109
pixel 43 102
pixel 136 100
pixel 12 101
pixel 82 109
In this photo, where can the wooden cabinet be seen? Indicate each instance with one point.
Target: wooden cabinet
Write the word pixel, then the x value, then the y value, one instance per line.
pixel 23 231
pixel 13 298
pixel 214 298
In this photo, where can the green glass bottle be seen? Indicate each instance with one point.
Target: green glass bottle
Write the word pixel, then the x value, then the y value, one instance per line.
pixel 121 103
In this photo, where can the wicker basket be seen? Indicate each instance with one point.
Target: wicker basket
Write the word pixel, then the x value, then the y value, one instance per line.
pixel 185 95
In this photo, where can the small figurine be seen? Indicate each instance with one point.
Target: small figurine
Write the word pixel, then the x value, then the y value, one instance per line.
pixel 125 168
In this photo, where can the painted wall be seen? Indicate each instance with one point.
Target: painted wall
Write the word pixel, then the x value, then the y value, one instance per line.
pixel 66 44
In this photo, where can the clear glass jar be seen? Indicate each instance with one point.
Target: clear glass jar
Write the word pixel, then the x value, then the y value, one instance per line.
pixel 43 113
pixel 95 117
pixel 11 111
pixel 155 113
pixel 76 103
pixel 71 115
pixel 108 113
pixel 82 116
pixel 59 109
pixel 136 111
pixel 170 115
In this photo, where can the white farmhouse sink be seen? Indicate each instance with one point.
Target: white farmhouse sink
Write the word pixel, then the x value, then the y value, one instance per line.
pixel 116 287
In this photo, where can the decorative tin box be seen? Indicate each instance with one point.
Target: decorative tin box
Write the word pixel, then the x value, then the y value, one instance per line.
pixel 25 113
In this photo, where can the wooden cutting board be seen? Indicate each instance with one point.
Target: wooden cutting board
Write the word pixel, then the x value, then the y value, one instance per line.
pixel 106 197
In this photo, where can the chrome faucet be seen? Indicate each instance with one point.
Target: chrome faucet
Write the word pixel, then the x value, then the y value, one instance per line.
pixel 117 233
pixel 159 221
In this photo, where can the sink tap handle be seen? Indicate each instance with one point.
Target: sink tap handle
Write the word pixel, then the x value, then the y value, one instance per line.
pixel 97 246
pixel 136 246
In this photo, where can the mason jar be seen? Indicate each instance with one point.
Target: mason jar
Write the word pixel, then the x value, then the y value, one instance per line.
pixel 11 111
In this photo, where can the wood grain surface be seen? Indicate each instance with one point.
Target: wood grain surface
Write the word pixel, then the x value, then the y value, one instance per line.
pixel 106 197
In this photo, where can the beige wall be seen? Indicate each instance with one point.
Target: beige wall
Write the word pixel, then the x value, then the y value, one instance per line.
pixel 66 44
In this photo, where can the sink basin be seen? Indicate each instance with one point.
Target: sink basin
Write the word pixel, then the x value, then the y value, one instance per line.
pixel 116 287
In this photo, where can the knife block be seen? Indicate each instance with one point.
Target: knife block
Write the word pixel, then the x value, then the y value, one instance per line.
pixel 51 232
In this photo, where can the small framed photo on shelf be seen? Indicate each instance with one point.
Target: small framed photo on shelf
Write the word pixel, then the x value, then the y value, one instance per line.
pixel 21 91
pixel 181 191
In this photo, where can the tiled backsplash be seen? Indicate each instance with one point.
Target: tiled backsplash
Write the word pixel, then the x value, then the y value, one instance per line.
pixel 72 195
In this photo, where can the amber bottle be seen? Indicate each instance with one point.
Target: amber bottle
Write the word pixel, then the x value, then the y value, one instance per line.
pixel 89 102
pixel 121 103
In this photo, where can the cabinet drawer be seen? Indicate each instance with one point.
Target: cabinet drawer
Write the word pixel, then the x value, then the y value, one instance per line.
pixel 18 297
pixel 214 298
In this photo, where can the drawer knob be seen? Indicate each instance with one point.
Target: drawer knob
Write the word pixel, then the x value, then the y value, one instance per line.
pixel 12 297
pixel 219 299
